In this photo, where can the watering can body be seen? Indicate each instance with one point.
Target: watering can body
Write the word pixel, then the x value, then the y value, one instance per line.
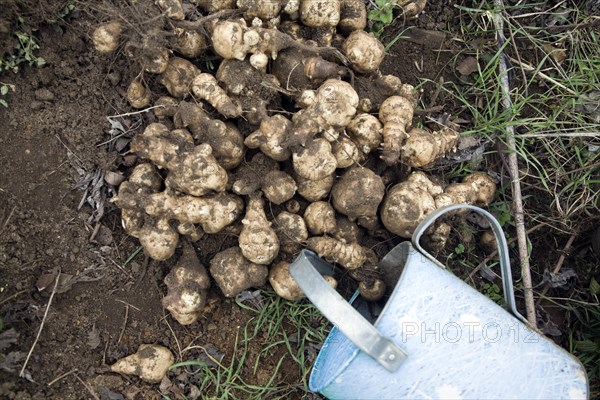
pixel 445 340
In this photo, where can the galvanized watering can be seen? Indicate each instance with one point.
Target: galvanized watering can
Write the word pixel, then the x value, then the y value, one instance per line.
pixel 436 338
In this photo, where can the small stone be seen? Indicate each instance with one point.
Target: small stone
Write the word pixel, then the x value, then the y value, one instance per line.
pixel 114 78
pixel 44 95
pixel 36 105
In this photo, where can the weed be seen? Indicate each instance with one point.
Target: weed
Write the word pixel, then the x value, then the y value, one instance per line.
pixel 4 89
pixel 289 332
pixel 381 16
pixel 23 53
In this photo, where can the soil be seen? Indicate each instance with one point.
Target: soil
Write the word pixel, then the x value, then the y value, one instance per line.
pixel 103 310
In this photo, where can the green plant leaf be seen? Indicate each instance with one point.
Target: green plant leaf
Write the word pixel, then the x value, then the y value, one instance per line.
pixel 3 103
pixel 594 286
pixel 3 90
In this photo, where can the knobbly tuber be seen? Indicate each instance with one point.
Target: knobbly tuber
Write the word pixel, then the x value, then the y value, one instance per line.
pixel 167 107
pixel 157 237
pixel 315 161
pixel 358 193
pixel 247 85
pixel 364 51
pixel 190 44
pixel 422 147
pixel 320 218
pixel 225 140
pixel 348 255
pixel 252 176
pixel 365 130
pixel 278 187
pixel 178 76
pixel 151 363
pixel 213 212
pixel 396 114
pixel 411 8
pixel 347 231
pixel 271 137
pixel 291 231
pixel 314 190
pixel 333 109
pixel 407 203
pixel 346 152
pixel 172 9
pixel 285 286
pixel 106 37
pixel 353 15
pixel 206 87
pixel 233 273
pixel 192 169
pixel 265 10
pixel 258 240
pixel 138 94
pixel 187 286
pixel 476 188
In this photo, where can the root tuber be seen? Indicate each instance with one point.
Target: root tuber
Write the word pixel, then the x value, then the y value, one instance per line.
pixel 358 193
pixel 422 147
pixel 320 218
pixel 315 161
pixel 187 285
pixel 106 37
pixel 291 232
pixel 234 273
pixel 151 363
pixel 364 51
pixel 178 76
pixel 348 255
pixel 396 114
pixel 271 137
pixel 258 241
pixel 206 87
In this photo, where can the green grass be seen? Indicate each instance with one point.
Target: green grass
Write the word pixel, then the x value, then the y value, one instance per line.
pixel 287 332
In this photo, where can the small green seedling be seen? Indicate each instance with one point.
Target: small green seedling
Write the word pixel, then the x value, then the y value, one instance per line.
pixel 381 16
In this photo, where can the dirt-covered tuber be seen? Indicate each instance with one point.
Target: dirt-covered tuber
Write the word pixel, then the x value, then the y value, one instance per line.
pixel 348 255
pixel 320 218
pixel 291 231
pixel 138 94
pixel 234 273
pixel 407 203
pixel 178 76
pixel 206 87
pixel 396 114
pixel 151 363
pixel 358 193
pixel 106 37
pixel 192 169
pixel 333 108
pixel 271 137
pixel 187 286
pixel 284 284
pixel 258 240
pixel 422 147
pixel 364 51
pixel 315 161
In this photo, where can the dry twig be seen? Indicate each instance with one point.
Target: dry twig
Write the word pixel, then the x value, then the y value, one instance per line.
pixel 56 280
pixel 513 163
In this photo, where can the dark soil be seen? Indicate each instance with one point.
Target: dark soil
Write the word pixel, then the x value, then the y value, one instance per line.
pixel 103 311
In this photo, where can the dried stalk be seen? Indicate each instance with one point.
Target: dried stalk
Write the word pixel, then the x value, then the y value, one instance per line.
pixel 513 164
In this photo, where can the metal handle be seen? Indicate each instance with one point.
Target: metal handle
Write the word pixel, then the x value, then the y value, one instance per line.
pixel 354 326
pixel 507 283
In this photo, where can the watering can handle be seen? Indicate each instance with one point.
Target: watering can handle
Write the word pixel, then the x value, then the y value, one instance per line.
pixel 507 283
pixel 305 271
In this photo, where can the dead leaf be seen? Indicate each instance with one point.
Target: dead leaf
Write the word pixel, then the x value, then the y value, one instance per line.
pixel 46 281
pixel 589 104
pixel 8 338
pixel 551 329
pixel 12 361
pixel 560 279
pixel 107 394
pixel 113 178
pixel 93 338
pixel 558 55
pixel 467 66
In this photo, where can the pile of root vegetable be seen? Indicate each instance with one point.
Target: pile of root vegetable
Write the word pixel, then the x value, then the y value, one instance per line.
pixel 297 123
